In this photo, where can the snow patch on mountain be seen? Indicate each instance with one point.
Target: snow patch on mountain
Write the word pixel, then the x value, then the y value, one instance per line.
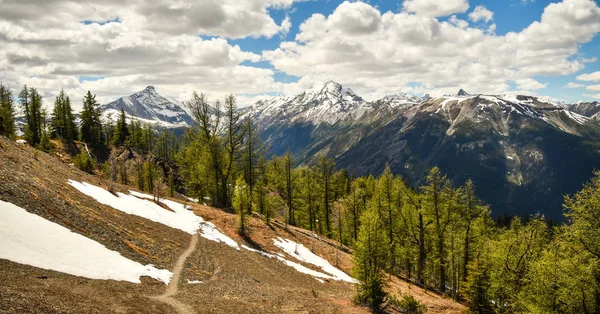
pixel 327 103
pixel 148 106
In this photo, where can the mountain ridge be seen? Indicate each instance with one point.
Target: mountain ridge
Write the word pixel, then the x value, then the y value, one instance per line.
pixel 515 147
pixel 149 106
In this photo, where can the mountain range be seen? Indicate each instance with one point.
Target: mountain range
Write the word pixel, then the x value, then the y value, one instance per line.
pixel 524 153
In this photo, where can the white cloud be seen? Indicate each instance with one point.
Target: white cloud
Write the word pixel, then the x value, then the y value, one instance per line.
pixel 355 18
pixel 529 84
pixel 593 88
pixel 45 44
pixel 440 57
pixel 436 8
pixel 574 85
pixel 481 13
pixel 594 77
pixel 458 22
pixel 595 96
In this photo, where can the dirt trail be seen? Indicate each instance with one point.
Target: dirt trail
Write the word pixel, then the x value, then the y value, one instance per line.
pixel 173 286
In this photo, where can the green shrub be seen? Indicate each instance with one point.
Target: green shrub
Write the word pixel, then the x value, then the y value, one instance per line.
pixel 408 304
pixel 84 162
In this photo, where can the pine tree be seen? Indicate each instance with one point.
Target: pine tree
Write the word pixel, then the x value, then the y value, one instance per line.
pixel 31 101
pixel 7 114
pixel 370 260
pixel 91 124
pixel 63 125
pixel 121 131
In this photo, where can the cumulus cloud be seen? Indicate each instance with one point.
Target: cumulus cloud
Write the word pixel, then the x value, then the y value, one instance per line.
pixel 481 13
pixel 529 84
pixel 114 49
pixel 574 85
pixel 594 77
pixel 593 88
pixel 404 50
pixel 436 8
pixel 458 22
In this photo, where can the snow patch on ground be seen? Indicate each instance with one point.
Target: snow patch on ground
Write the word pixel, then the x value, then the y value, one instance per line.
pixel 296 266
pixel 193 282
pixel 181 218
pixel 32 240
pixel 138 204
pixel 302 253
pixel 207 229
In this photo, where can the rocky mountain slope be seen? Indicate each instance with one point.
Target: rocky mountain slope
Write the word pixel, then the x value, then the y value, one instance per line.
pixel 588 109
pixel 149 107
pixel 523 153
pixel 212 270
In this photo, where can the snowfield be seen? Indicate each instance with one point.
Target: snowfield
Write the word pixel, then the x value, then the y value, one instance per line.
pixel 29 239
pixel 138 204
pixel 302 253
pixel 296 266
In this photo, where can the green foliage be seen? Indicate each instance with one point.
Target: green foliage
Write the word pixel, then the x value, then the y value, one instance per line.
pixel 31 101
pixel 91 125
pixel 121 132
pixel 476 290
pixel 84 162
pixel 241 202
pixel 370 260
pixel 63 124
pixel 408 304
pixel 7 113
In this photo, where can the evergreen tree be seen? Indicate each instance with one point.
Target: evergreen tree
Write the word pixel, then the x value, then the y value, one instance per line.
pixel 63 123
pixel 31 101
pixel 121 133
pixel 7 114
pixel 91 124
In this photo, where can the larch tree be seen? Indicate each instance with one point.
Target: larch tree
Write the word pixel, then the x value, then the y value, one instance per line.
pixel 370 260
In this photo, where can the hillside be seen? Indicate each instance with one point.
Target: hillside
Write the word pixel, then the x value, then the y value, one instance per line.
pixel 212 270
pixel 523 153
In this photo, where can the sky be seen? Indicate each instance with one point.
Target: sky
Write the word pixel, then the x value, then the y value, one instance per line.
pixel 262 48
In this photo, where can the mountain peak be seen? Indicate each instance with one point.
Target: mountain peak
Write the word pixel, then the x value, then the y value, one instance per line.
pixel 332 86
pixel 462 92
pixel 150 88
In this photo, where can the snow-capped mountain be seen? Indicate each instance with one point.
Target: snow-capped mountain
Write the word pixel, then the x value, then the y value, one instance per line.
pixel 523 152
pixel 328 103
pixel 149 107
pixel 588 109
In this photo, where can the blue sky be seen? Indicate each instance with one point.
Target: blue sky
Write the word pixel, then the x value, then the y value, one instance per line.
pixel 509 16
pixel 260 48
